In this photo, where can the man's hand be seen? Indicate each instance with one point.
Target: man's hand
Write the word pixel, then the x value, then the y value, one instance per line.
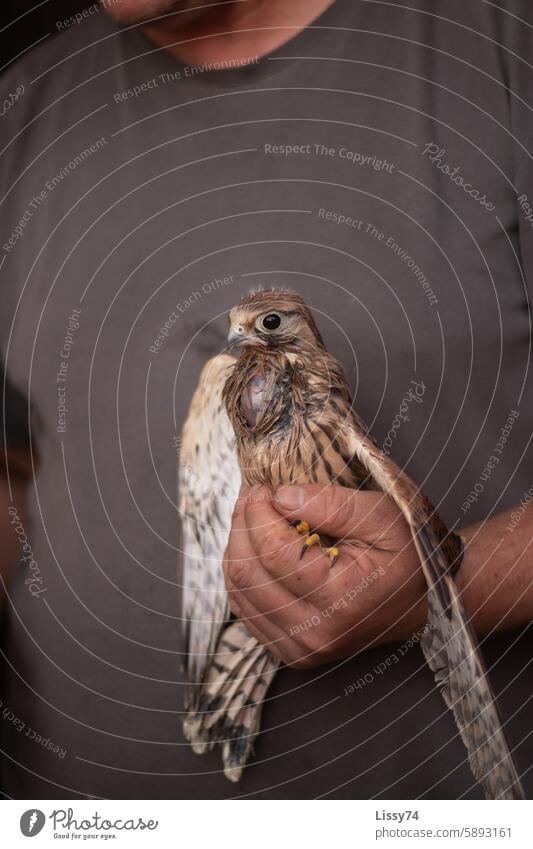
pixel 307 611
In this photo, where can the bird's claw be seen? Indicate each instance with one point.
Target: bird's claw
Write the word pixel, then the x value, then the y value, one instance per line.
pixel 333 554
pixel 311 540
pixel 301 526
pixel 314 539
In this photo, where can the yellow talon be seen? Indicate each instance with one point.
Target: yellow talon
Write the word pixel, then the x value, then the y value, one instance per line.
pixel 333 554
pixel 314 539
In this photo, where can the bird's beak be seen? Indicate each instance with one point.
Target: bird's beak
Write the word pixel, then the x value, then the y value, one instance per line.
pixel 236 336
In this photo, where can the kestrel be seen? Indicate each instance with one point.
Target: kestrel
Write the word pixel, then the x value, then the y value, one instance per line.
pixel 279 411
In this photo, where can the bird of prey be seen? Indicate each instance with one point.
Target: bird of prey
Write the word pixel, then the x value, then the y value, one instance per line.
pixel 279 411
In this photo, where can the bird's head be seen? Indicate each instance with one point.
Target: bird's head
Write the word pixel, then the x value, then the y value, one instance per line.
pixel 274 319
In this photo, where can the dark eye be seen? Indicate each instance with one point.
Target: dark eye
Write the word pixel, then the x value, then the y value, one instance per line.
pixel 271 321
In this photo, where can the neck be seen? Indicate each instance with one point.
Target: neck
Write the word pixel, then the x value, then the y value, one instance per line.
pixel 233 30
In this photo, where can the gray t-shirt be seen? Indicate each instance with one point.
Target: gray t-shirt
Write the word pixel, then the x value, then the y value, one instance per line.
pixel 380 164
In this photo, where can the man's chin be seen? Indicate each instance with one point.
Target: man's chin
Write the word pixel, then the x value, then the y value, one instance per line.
pixel 139 11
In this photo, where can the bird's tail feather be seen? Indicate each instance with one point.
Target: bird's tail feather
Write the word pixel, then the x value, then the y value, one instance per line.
pixel 226 708
pixel 452 652
pixel 449 642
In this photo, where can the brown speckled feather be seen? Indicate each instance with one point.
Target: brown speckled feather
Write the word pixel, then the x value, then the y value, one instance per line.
pixel 299 435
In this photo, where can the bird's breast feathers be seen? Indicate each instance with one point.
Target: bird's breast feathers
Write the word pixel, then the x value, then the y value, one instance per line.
pixel 291 420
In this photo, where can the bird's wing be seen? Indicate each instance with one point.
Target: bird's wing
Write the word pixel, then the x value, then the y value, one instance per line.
pixel 209 480
pixel 449 642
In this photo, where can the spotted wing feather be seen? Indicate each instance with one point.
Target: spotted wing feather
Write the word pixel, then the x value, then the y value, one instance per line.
pixel 209 480
pixel 229 672
pixel 449 643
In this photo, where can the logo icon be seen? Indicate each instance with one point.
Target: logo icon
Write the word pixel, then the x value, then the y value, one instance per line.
pixel 32 822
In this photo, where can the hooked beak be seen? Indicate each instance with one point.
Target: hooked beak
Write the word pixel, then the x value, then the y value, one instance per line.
pixel 236 336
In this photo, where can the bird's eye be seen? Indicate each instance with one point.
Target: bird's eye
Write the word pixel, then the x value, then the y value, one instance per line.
pixel 271 321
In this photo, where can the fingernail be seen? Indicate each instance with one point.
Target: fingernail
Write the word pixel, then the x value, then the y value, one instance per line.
pixel 290 497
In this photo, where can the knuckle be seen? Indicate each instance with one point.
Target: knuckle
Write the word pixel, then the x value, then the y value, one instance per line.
pixel 314 641
pixel 280 649
pixel 348 516
pixel 339 506
pixel 305 637
pixel 274 552
pixel 237 572
pixel 318 645
pixel 284 654
pixel 323 653
pixel 290 652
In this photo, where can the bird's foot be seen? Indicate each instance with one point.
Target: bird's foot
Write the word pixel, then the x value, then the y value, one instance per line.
pixel 333 553
pixel 312 539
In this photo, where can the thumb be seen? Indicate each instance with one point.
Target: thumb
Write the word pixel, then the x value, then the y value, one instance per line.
pixel 338 511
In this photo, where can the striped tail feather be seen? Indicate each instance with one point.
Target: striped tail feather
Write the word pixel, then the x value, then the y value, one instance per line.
pixel 452 652
pixel 227 708
pixel 449 643
pixel 244 721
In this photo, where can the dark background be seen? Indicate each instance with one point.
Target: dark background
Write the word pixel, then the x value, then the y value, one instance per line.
pixel 23 22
